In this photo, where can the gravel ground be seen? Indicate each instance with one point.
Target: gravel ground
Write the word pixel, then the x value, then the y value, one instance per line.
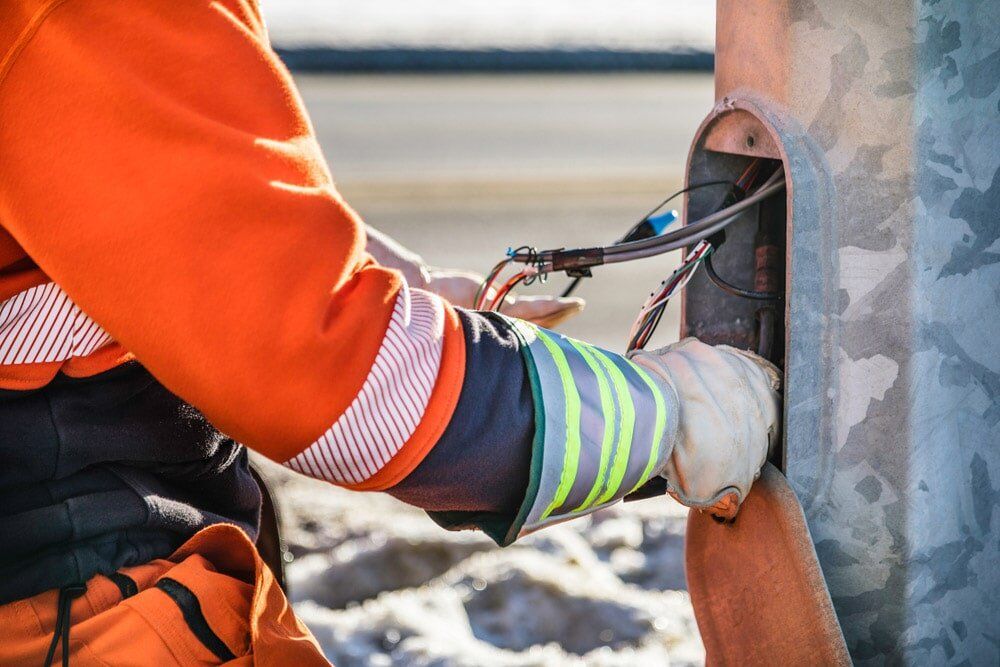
pixel 379 583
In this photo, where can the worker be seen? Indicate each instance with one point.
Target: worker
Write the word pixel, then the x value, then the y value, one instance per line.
pixel 180 275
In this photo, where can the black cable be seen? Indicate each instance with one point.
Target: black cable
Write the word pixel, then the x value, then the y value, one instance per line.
pixel 583 258
pixel 690 188
pixel 729 288
pixel 572 286
pixel 632 233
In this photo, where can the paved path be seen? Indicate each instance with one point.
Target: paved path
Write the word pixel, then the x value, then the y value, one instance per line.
pixel 461 167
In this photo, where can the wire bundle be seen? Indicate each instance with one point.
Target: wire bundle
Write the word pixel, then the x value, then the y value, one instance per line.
pixel 578 261
pixel 644 229
pixel 489 297
pixel 652 310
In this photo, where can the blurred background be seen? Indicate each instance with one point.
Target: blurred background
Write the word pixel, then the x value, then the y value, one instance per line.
pixel 461 128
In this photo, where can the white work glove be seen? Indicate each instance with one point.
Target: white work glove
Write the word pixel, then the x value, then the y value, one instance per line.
pixel 729 420
pixel 460 287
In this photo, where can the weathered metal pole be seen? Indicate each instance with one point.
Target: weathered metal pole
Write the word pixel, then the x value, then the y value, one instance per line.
pixel 886 115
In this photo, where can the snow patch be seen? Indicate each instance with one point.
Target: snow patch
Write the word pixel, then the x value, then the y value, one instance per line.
pixel 378 583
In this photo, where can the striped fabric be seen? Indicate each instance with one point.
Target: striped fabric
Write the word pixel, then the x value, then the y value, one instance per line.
pixel 392 399
pixel 41 325
pixel 608 427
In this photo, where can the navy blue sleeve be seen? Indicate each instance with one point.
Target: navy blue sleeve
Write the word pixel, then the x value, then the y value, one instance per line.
pixel 477 473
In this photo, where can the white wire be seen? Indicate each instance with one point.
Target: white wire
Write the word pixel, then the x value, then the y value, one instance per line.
pixel 696 255
pixel 657 300
pixel 677 288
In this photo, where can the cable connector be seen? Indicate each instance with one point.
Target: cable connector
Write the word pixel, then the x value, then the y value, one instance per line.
pixel 577 260
pixel 717 239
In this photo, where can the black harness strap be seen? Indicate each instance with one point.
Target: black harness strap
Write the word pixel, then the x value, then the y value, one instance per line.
pixel 193 616
pixel 126 584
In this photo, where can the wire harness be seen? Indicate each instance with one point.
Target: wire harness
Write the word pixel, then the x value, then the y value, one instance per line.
pixel 578 259
pixel 638 243
pixel 652 310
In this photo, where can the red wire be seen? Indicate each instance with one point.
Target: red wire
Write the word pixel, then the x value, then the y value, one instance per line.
pixel 505 290
pixel 646 330
pixel 751 172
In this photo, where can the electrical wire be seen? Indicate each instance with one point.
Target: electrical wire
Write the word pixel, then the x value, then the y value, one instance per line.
pixel 527 276
pixel 656 209
pixel 511 283
pixel 539 263
pixel 638 225
pixel 560 260
pixel 743 182
pixel 683 275
pixel 748 175
pixel 691 233
pixel 479 302
pixel 652 311
pixel 729 288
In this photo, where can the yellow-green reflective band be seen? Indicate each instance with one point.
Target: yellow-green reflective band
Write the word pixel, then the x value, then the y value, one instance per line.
pixel 627 426
pixel 659 426
pixel 571 454
pixel 608 410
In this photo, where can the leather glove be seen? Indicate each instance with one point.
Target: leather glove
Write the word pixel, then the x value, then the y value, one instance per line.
pixel 460 287
pixel 729 419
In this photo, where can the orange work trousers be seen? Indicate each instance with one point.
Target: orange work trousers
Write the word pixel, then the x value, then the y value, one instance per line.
pixel 213 601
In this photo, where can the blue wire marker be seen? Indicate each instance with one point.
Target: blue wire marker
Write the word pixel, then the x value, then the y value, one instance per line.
pixel 660 222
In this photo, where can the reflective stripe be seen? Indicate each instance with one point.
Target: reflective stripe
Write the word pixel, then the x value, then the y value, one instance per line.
pixel 658 429
pixel 571 454
pixel 608 405
pixel 604 424
pixel 392 400
pixel 626 428
pixel 42 325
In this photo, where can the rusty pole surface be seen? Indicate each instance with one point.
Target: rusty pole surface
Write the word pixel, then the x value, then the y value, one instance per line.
pixel 885 115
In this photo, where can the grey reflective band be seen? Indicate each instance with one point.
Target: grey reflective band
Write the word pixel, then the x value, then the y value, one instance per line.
pixel 602 428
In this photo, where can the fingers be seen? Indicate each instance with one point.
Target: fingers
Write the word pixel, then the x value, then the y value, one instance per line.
pixel 545 311
pixel 729 412
pixel 772 371
pixel 456 287
pixel 460 288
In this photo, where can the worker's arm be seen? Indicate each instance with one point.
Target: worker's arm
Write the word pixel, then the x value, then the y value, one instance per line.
pixel 159 167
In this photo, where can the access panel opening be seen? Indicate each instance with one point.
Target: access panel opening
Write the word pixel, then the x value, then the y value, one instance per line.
pixel 739 299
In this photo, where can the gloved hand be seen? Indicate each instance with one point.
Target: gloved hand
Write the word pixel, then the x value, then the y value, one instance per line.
pixel 729 420
pixel 460 287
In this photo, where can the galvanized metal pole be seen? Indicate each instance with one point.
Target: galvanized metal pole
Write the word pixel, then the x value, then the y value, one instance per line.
pixel 886 114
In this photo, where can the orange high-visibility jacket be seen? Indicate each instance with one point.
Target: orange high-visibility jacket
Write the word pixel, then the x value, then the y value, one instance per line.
pixel 145 208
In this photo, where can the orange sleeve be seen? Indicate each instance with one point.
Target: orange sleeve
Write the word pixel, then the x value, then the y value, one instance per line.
pixel 158 165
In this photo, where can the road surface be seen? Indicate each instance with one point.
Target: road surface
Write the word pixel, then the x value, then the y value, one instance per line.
pixel 461 167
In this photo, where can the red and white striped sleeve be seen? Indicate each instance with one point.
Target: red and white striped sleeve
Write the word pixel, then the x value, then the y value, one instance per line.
pixel 392 401
pixel 42 325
